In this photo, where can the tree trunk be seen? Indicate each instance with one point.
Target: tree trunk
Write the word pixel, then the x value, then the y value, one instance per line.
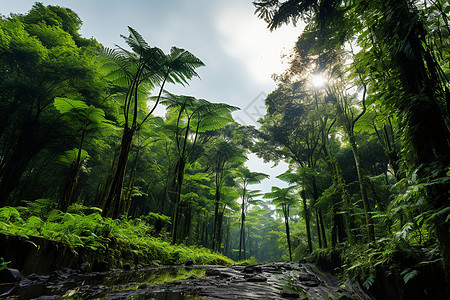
pixel 202 236
pixel 319 235
pixel 179 183
pixel 187 224
pixel 115 192
pixel 322 229
pixel 102 196
pixel 241 233
pixel 69 186
pixel 307 222
pixel 220 231
pixel 362 187
pixel 227 240
pixel 216 217
pixel 342 224
pixel 288 233
pixel 132 178
pixel 243 245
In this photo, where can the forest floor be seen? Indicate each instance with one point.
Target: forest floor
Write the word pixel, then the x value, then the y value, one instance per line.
pixel 266 281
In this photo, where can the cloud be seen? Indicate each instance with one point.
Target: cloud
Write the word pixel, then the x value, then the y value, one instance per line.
pixel 247 38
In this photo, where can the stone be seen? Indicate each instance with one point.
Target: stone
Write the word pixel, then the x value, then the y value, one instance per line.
pixel 309 280
pixel 85 267
pixel 252 269
pixel 189 262
pixel 290 294
pixel 307 277
pixel 212 272
pixel 311 283
pixel 225 275
pixel 257 278
pixel 100 266
pixel 9 275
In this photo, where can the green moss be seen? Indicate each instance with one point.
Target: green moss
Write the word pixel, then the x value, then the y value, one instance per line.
pixel 248 262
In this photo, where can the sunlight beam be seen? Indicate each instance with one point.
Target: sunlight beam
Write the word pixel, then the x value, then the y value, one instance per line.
pixel 318 81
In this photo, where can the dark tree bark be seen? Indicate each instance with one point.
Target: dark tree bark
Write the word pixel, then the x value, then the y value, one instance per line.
pixel 115 193
pixel 69 186
pixel 179 171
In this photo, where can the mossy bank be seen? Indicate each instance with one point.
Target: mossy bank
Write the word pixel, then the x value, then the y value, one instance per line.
pixel 36 244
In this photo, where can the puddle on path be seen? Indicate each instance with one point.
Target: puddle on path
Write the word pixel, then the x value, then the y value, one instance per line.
pixel 100 285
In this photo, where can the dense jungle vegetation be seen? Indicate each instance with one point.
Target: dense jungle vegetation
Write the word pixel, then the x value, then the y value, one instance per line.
pixel 361 116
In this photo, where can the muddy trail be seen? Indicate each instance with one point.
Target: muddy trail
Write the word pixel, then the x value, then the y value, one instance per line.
pixel 267 281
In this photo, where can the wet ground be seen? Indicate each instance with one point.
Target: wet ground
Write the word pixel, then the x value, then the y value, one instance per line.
pixel 267 281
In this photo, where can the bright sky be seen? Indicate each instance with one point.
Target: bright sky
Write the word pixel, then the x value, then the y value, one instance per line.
pixel 240 53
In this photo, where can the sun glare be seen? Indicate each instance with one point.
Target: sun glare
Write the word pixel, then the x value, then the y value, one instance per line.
pixel 318 81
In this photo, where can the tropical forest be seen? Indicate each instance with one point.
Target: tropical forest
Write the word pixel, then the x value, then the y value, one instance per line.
pixel 114 185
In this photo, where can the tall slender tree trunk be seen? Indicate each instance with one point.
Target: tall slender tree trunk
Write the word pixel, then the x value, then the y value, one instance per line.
pixel 243 246
pixel 322 229
pixel 132 178
pixel 204 228
pixel 362 188
pixel 227 240
pixel 249 252
pixel 187 223
pixel 241 232
pixel 216 217
pixel 197 229
pixel 115 193
pixel 307 221
pixel 179 183
pixel 319 235
pixel 344 222
pixel 220 231
pixel 69 186
pixel 288 232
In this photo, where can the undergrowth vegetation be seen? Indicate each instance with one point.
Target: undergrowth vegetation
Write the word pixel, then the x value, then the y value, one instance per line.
pixel 119 241
pixel 364 262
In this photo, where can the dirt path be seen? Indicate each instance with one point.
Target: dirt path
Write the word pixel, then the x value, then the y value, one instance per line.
pixel 267 281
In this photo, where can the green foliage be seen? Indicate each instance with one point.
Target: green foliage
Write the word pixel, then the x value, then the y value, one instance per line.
pixel 119 241
pixel 409 274
pixel 247 262
pixel 3 263
pixel 369 281
pixel 9 214
pixel 152 217
pixel 393 257
pixel 71 155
